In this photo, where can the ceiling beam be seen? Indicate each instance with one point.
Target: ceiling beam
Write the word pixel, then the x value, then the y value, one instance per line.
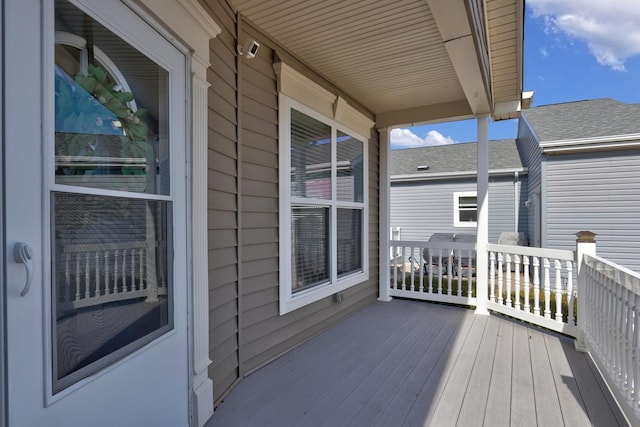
pixel 445 111
pixel 453 22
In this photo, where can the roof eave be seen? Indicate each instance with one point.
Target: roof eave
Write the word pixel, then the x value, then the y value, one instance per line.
pixel 456 175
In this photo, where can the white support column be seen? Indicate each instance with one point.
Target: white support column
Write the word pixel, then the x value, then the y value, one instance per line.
pixel 202 384
pixel 482 258
pixel 385 213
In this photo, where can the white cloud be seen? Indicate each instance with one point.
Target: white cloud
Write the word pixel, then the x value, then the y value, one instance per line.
pixel 405 138
pixel 610 28
pixel 544 52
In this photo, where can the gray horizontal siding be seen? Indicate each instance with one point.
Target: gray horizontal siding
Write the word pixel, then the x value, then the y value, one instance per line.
pixel 599 192
pixel 264 333
pixel 222 203
pixel 246 330
pixel 531 155
pixel 423 208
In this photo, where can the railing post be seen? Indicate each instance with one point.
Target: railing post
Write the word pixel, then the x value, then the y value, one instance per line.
pixel 585 245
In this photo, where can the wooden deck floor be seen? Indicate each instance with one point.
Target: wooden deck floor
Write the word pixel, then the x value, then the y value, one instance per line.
pixel 409 363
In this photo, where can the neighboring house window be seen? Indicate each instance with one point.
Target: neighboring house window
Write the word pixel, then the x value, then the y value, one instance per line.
pixel 323 209
pixel 465 209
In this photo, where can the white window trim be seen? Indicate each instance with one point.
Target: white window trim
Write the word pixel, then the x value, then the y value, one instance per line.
pixel 456 209
pixel 289 301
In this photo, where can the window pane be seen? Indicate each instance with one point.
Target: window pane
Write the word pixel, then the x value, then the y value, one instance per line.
pixel 349 241
pixel 111 121
pixel 468 202
pixel 309 247
pixel 468 215
pixel 350 160
pixel 111 290
pixel 310 157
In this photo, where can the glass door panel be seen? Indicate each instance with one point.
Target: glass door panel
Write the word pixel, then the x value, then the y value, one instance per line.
pixel 111 252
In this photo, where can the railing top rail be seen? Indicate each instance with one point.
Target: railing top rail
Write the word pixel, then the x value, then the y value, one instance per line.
pixel 627 278
pixel 536 252
pixel 433 245
pixel 98 247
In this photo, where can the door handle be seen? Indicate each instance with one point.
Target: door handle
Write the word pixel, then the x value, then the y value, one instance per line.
pixel 23 254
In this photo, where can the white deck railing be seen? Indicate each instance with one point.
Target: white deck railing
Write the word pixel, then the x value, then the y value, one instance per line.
pixel 94 274
pixel 609 327
pixel 533 284
pixel 433 271
pixel 539 286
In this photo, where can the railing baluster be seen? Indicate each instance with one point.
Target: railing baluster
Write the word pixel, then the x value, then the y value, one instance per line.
pixel 547 289
pixel 106 273
pixel 87 276
pixel 571 298
pixel 470 274
pixel 97 274
pixel 133 270
pixel 527 305
pixel 500 279
pixel 124 270
pixel 451 264
pixel 558 268
pixel 413 270
pixel 507 260
pixel 142 282
pixel 116 270
pixel 628 333
pixel 492 276
pixel 459 291
pixel 536 286
pixel 77 277
pixel 619 319
pixel 450 261
pixel 430 252
pixel 67 278
pixel 420 266
pixel 517 277
pixel 440 271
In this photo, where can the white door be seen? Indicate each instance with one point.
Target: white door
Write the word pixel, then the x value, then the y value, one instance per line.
pixel 95 248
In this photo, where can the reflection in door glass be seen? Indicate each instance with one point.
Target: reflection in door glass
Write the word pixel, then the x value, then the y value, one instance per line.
pixel 110 114
pixel 111 289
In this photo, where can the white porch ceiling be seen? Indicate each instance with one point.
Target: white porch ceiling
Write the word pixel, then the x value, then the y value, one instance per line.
pixel 390 55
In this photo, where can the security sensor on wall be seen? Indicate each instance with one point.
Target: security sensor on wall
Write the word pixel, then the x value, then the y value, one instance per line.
pixel 250 49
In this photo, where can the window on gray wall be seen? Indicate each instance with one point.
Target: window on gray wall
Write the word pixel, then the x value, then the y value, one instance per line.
pixel 465 209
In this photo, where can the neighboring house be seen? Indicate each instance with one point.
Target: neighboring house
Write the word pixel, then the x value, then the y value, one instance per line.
pixel 433 190
pixel 584 160
pixel 577 169
pixel 172 219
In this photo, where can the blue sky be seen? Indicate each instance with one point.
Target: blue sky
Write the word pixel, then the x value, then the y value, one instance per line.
pixel 573 50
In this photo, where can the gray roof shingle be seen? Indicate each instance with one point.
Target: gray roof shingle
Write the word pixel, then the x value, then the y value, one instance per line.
pixel 583 119
pixel 503 154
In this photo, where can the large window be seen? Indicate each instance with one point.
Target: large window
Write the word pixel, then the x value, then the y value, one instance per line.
pixel 323 206
pixel 465 209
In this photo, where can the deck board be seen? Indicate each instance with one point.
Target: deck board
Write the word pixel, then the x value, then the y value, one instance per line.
pixel 410 363
pixel 498 410
pixel 475 401
pixel 523 409
pixel 544 388
pixel 450 402
pixel 573 411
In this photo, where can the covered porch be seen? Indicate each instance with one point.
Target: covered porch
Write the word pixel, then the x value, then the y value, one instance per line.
pixel 413 363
